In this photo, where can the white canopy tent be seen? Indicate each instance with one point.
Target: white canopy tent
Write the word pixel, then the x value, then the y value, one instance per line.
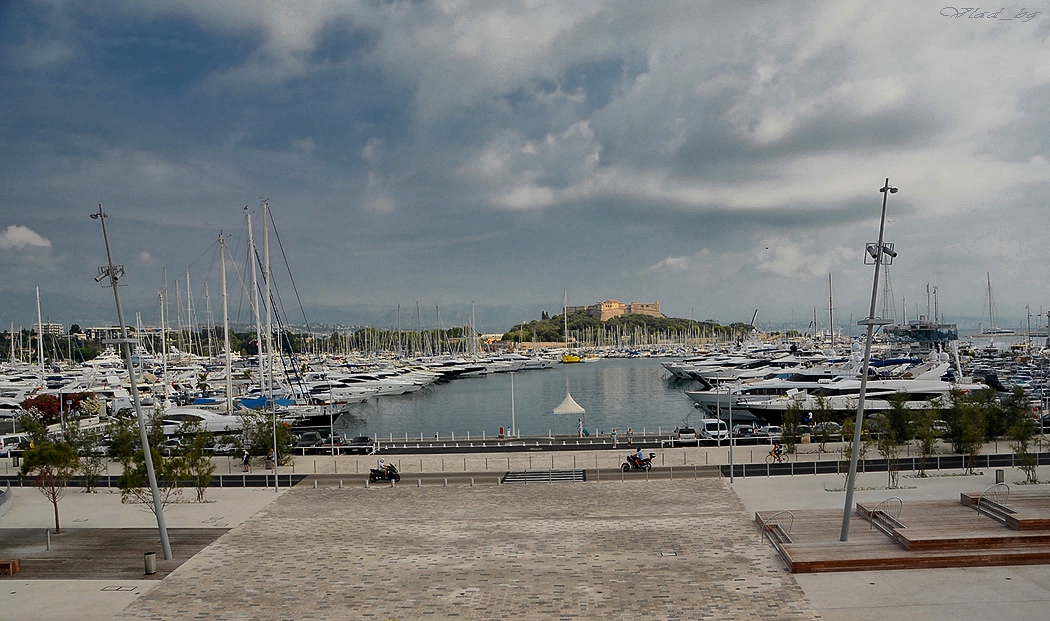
pixel 569 406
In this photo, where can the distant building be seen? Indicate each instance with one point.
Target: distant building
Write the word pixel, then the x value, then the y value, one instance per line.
pixel 106 333
pixel 49 329
pixel 608 309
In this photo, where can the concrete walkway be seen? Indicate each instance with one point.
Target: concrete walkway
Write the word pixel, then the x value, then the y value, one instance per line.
pixel 684 549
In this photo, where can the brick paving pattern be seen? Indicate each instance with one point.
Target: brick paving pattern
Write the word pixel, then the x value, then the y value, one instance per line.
pixel 658 549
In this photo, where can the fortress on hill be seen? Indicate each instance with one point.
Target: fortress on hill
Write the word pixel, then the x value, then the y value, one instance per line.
pixel 612 308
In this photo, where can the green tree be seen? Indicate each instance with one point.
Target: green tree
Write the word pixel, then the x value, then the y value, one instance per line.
pixel 33 428
pixel 1021 435
pixel 898 417
pixel 790 425
pixel 923 432
pixel 971 429
pixel 1006 412
pixel 822 414
pixel 846 449
pixel 198 463
pixel 91 460
pixel 134 482
pixel 51 464
pixel 889 447
pixel 257 435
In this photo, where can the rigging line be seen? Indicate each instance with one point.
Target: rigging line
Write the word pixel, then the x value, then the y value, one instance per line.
pixel 200 257
pixel 288 268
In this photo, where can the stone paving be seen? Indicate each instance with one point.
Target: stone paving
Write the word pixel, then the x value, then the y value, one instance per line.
pixel 658 549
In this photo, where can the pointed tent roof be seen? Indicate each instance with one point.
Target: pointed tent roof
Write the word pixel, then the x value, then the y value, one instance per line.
pixel 569 406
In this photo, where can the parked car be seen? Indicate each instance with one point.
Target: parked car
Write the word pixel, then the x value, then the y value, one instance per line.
pixel 219 447
pixel 361 445
pixel 683 434
pixel 940 428
pixel 170 447
pixel 828 429
pixel 308 442
pixel 744 431
pixel 774 433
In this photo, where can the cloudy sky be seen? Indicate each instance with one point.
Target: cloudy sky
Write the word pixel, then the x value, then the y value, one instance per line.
pixel 715 157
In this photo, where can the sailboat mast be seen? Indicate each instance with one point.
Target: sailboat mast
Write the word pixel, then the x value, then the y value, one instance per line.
pixel 991 313
pixel 565 314
pixel 255 290
pixel 189 313
pixel 226 329
pixel 163 327
pixel 831 311
pixel 269 333
pixel 39 332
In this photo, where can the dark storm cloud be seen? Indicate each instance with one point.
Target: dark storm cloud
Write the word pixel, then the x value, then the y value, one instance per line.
pixel 715 157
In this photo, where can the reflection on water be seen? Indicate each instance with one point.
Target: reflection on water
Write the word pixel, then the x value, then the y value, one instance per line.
pixel 615 392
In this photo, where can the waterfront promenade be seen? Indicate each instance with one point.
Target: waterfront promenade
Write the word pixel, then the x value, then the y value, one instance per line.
pixel 685 549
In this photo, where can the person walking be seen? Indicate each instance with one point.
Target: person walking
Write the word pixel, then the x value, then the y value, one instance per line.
pixel 630 436
pixel 246 462
pixel 579 426
pixel 613 436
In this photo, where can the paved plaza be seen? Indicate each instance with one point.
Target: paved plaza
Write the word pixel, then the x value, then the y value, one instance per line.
pixel 681 549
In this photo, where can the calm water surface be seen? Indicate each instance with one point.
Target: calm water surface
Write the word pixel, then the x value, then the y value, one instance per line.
pixel 616 392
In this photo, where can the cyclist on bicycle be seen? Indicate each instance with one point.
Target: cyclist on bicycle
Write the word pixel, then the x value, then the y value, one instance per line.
pixel 778 451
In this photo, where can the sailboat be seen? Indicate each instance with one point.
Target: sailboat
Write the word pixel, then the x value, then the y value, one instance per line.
pixel 993 330
pixel 568 357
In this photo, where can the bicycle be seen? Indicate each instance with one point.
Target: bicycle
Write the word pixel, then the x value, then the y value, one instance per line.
pixel 773 458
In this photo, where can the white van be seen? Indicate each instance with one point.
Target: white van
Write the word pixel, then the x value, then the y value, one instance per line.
pixel 713 429
pixel 9 442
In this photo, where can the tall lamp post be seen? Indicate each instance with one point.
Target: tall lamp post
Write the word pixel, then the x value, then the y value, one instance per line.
pixel 114 273
pixel 878 253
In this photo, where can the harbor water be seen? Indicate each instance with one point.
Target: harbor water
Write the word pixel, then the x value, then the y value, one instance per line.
pixel 615 392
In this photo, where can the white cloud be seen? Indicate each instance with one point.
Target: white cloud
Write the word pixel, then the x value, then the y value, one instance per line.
pixel 16 237
pixel 670 265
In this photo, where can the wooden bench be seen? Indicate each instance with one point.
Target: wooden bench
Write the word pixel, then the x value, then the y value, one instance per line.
pixel 10 567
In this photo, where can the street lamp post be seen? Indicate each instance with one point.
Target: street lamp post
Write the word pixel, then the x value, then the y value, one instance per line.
pixel 878 252
pixel 113 273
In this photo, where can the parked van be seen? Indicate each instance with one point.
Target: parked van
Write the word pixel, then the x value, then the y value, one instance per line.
pixel 713 429
pixel 9 442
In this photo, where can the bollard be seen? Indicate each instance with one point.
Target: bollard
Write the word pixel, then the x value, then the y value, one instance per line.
pixel 419 482
pixel 445 483
pixel 340 484
pixel 48 531
pixel 150 559
pixel 391 482
pixel 999 478
pixel 670 473
pixel 472 481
